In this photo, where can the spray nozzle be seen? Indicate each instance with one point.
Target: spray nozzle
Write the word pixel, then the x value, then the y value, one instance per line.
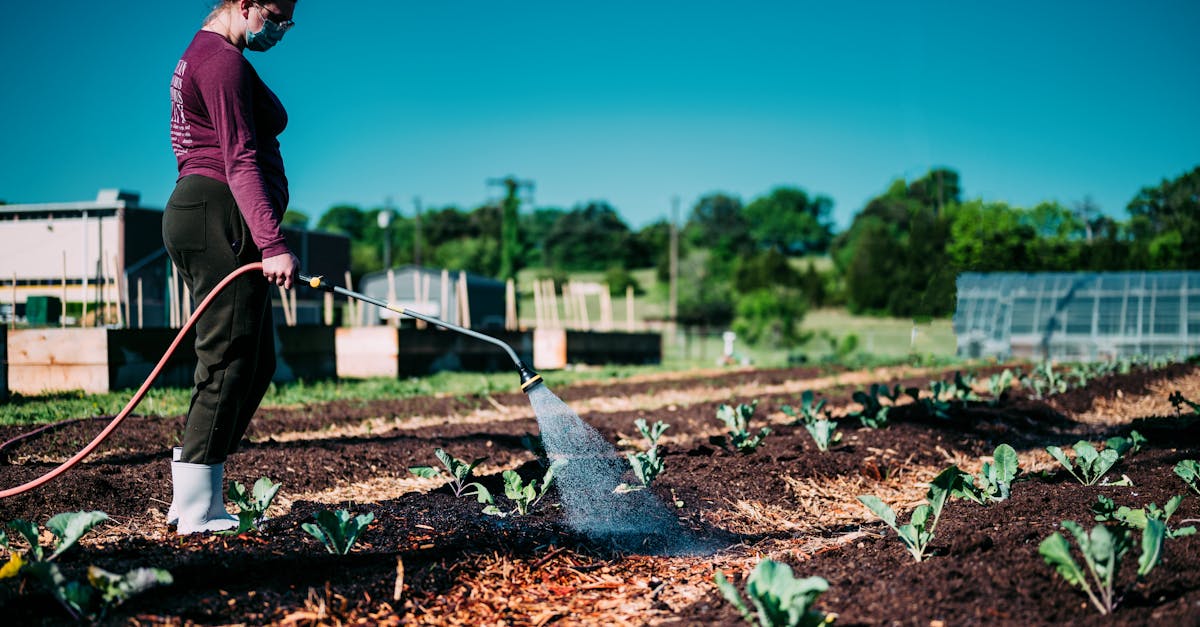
pixel 529 378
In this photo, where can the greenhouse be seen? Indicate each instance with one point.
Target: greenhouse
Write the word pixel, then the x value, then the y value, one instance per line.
pixel 1082 316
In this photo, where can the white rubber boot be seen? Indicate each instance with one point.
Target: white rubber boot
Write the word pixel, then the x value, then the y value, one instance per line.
pixel 173 511
pixel 198 499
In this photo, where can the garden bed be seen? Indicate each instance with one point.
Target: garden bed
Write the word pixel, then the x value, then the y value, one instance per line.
pixel 787 501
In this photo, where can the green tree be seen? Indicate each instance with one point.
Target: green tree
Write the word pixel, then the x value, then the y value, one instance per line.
pixel 348 220
pixel 787 220
pixel 718 224
pixel 587 238
pixel 1162 218
pixel 535 229
pixel 764 271
pixel 295 219
pixel 771 316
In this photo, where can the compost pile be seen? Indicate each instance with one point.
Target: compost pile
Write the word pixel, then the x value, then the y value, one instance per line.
pixel 452 564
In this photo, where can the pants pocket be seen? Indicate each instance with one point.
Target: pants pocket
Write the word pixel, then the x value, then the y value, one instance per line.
pixel 185 226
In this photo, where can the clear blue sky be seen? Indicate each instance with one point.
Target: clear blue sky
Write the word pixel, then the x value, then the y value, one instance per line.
pixel 628 101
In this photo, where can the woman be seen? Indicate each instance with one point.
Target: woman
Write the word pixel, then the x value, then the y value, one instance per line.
pixel 225 212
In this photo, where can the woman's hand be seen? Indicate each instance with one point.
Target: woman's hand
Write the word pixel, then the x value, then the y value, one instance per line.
pixel 281 269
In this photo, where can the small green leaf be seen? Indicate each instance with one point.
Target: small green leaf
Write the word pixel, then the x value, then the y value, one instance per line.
pixel 425 472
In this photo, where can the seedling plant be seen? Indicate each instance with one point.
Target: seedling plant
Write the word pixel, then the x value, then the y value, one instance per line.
pixel 918 533
pixel 67 528
pixel 651 432
pixel 737 423
pixel 1089 465
pixel 339 530
pixel 1189 471
pixel 1101 550
pixel 524 496
pixel 646 467
pixel 999 386
pixel 778 597
pixel 873 415
pixel 818 423
pixel 252 505
pixel 459 471
pixel 994 481
pixel 90 601
pixel 1106 510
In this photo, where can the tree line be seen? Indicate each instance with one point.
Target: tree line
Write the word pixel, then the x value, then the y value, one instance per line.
pixel 750 264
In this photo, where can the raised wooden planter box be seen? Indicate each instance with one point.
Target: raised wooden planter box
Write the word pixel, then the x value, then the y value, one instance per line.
pixel 103 360
pixel 364 352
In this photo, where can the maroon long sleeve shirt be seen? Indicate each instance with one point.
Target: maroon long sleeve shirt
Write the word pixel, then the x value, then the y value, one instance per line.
pixel 224 125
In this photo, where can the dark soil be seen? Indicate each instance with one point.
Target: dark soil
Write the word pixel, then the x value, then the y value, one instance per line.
pixel 985 568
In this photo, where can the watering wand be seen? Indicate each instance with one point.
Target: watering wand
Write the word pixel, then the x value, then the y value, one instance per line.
pixel 529 378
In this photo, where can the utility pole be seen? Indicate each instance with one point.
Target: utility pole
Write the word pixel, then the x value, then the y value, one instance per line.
pixel 417 231
pixel 385 223
pixel 508 224
pixel 673 294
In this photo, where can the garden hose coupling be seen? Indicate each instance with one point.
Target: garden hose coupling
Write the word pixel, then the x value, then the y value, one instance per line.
pixel 529 378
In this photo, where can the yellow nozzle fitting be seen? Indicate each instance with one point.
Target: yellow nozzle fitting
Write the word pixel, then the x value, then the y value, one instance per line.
pixel 315 282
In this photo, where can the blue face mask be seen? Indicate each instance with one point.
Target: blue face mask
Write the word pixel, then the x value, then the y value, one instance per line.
pixel 266 38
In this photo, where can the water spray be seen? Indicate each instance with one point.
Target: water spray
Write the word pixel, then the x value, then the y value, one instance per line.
pixel 587 482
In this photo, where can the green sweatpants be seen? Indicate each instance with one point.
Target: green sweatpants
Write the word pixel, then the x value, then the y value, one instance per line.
pixel 208 239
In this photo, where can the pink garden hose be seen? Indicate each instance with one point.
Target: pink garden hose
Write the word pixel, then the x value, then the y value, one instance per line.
pixel 137 398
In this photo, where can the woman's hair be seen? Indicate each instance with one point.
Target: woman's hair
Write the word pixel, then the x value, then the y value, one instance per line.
pixel 220 5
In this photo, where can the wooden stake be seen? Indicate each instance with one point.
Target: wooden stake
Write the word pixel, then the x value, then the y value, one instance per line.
pixel 568 303
pixel 420 324
pixel 62 315
pixel 140 319
pixel 444 305
pixel 556 322
pixel 629 308
pixel 606 317
pixel 585 319
pixel 510 305
pixel 464 299
pixel 328 309
pixel 12 320
pixel 351 304
pixel 391 294
pixel 175 324
pixel 187 303
pixel 295 310
pixel 283 302
pixel 117 291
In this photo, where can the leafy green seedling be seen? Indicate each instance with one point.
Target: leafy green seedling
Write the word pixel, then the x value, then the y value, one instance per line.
pixel 1044 381
pixel 1106 510
pixel 252 505
pixel 779 598
pixel 459 471
pixel 1130 445
pixel 918 533
pixel 337 530
pixel 999 386
pixel 810 409
pixel 737 421
pixel 524 495
pixel 1102 550
pixel 815 420
pixel 91 601
pixel 873 415
pixel 994 481
pixel 1089 465
pixel 67 529
pixel 1189 471
pixel 646 467
pixel 651 432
